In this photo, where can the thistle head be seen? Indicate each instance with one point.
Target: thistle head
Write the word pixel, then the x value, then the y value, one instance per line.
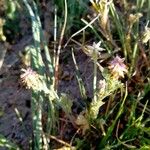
pixel 117 67
pixel 30 78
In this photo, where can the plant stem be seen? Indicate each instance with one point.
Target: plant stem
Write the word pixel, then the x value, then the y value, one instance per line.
pixel 95 76
pixel 60 46
pixel 111 128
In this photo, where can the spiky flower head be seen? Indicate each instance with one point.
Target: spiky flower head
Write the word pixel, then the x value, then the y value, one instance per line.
pixel 30 79
pixel 91 50
pixel 117 67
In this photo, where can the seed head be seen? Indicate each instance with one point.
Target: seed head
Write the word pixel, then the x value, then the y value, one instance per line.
pixel 30 78
pixel 117 67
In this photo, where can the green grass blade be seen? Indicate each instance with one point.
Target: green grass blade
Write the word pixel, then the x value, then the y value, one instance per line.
pixel 79 79
pixel 111 128
pixel 5 143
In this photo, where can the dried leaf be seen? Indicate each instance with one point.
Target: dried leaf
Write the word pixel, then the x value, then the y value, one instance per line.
pixel 82 122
